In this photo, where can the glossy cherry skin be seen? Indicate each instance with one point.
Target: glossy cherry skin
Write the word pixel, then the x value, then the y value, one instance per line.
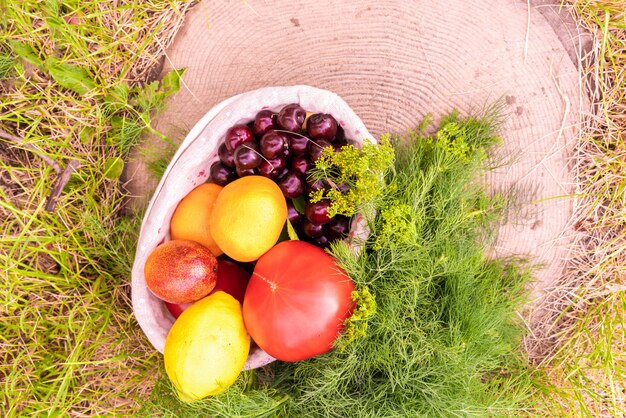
pixel 291 185
pixel 322 126
pixel 338 227
pixel 220 174
pixel 242 172
pixel 301 165
pixel 226 157
pixel 322 241
pixel 264 121
pixel 298 144
pixel 317 212
pixel 272 167
pixel 247 155
pixel 291 117
pixel 237 135
pixel 310 229
pixel 315 185
pixel 316 148
pixel 274 144
pixel 292 214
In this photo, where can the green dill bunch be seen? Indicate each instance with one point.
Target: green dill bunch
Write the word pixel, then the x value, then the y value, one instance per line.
pixel 443 340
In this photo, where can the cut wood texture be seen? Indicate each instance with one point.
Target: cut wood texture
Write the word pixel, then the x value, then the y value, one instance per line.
pixel 394 62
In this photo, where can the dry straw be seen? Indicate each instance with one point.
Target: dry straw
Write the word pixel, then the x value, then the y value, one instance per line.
pixel 579 337
pixel 69 345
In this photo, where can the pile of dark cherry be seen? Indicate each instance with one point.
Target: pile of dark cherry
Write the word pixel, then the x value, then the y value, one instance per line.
pixel 282 147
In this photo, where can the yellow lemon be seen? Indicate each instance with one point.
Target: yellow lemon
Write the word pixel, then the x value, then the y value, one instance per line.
pixel 206 347
pixel 191 217
pixel 248 217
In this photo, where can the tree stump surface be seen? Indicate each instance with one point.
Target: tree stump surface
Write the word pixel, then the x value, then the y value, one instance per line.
pixel 394 62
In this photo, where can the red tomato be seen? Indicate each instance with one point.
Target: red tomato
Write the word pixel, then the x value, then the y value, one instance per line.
pixel 296 301
pixel 231 278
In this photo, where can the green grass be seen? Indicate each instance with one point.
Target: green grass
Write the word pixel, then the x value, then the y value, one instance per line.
pixel 587 372
pixel 72 79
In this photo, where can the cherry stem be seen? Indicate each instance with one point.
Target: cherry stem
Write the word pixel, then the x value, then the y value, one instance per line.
pixel 261 155
pixel 300 135
pixel 332 184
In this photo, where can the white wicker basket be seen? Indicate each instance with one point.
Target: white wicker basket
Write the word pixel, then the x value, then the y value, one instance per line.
pixel 190 167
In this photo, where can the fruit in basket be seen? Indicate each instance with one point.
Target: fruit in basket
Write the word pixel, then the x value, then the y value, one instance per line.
pixel 201 152
pixel 181 271
pixel 222 174
pixel 297 301
pixel 247 156
pixel 317 212
pixel 322 126
pixel 272 167
pixel 231 278
pixel 291 117
pixel 291 184
pixel 206 348
pixel 264 121
pixel 284 146
pixel 248 217
pixel 190 220
pixel 274 144
pixel 237 135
